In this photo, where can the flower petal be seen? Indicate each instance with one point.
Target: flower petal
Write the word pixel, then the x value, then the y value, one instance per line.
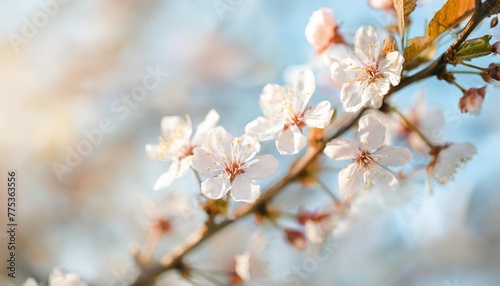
pixel 263 128
pixel 220 141
pixel 366 44
pixel 451 158
pixel 392 66
pixel 341 149
pixel 263 167
pixel 216 187
pixel 167 178
pixel 371 133
pixel 290 141
pixel 244 190
pixel 245 147
pixel 383 179
pixel 177 127
pixel 394 156
pixel 272 95
pixel 206 125
pixel 341 71
pixel 205 163
pixel 319 116
pixel 351 96
pixel 305 82
pixel 350 180
pixel 161 152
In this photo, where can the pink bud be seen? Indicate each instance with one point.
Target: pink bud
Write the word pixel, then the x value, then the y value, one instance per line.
pixel 472 100
pixel 493 71
pixel 321 31
pixel 495 48
pixel 296 238
pixel 387 5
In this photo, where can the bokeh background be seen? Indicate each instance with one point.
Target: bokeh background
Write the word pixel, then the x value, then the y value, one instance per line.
pixel 60 79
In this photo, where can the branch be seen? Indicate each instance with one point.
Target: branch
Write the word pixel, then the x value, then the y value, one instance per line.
pixel 174 259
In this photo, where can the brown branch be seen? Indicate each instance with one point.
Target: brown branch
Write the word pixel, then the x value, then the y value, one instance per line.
pixel 174 259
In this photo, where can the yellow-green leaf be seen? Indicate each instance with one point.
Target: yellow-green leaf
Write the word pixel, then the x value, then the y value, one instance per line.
pixel 452 13
pixel 415 46
pixel 403 10
pixel 474 48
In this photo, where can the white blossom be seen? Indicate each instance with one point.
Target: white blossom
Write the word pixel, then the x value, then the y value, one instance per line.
pixel 231 165
pixel 369 155
pixel 176 145
pixel 450 158
pixel 249 265
pixel 367 73
pixel 287 113
pixel 387 5
pixel 58 278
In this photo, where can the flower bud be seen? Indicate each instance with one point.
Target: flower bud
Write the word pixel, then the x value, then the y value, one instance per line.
pixel 322 29
pixel 296 238
pixel 493 71
pixel 387 5
pixel 495 48
pixel 472 100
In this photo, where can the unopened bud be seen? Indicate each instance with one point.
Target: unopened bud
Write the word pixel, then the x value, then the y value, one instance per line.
pixel 493 71
pixel 472 100
pixel 495 48
pixel 494 22
pixel 296 238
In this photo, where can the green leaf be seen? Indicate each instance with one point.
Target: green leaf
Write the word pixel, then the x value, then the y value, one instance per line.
pixel 451 14
pixel 403 10
pixel 473 48
pixel 415 46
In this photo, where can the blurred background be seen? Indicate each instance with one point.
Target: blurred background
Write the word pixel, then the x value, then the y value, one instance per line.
pixel 68 65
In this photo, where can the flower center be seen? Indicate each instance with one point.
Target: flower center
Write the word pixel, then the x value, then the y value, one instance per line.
pixel 233 169
pixel 371 72
pixel 186 151
pixel 365 161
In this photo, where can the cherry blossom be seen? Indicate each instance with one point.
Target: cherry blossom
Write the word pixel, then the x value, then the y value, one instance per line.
pixel 322 29
pixel 58 278
pixel 448 159
pixel 472 100
pixel 176 145
pixel 369 155
pixel 249 265
pixel 287 113
pixel 229 163
pixel 367 73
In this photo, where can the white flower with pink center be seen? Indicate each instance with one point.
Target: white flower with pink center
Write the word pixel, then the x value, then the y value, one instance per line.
pixel 369 155
pixel 367 73
pixel 176 145
pixel 287 112
pixel 231 164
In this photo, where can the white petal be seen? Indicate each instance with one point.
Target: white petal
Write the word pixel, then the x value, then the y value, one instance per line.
pixel 244 189
pixel 220 141
pixel 451 158
pixel 30 282
pixel 340 69
pixel 366 44
pixel 263 167
pixel 264 128
pixel 216 187
pixel 290 141
pixel 319 116
pixel 161 152
pixel 206 125
pixel 371 133
pixel 383 179
pixel 242 267
pixel 272 95
pixel 177 127
pixel 394 156
pixel 166 179
pixel 342 149
pixel 314 232
pixel 305 82
pixel 375 92
pixel 205 163
pixel 245 147
pixel 351 96
pixel 392 66
pixel 350 180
